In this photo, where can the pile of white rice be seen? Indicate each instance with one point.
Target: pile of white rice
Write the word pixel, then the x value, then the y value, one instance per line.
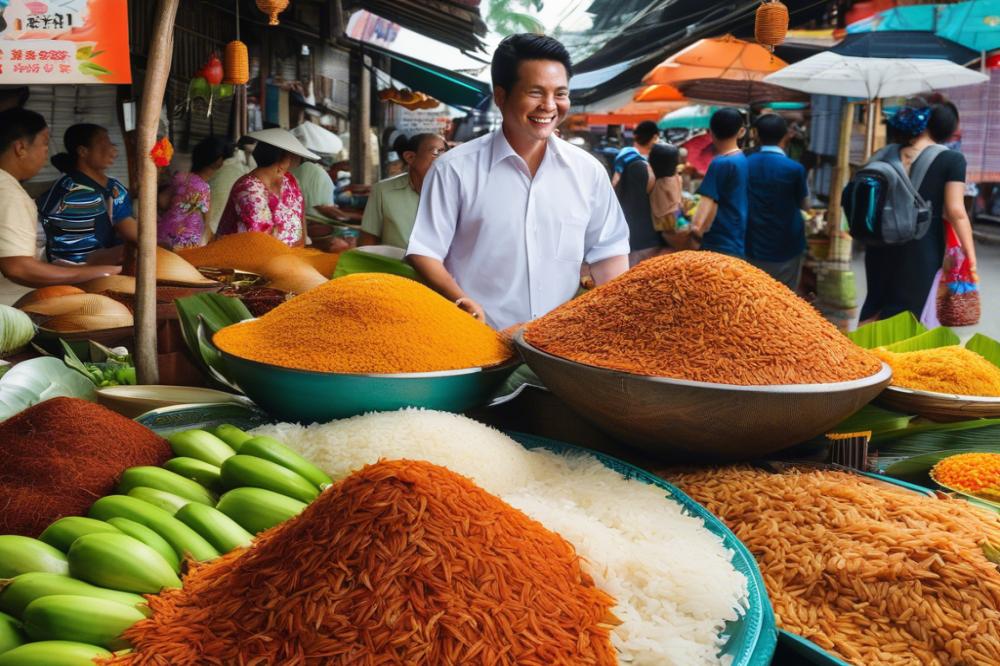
pixel 672 579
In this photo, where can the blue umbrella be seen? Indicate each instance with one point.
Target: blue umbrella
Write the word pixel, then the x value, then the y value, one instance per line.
pixel 904 44
pixel 974 24
pixel 911 17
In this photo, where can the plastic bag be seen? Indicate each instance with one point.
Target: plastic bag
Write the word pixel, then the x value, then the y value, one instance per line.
pixel 958 292
pixel 929 317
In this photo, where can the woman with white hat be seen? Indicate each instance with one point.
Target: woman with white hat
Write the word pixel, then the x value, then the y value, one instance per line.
pixel 268 199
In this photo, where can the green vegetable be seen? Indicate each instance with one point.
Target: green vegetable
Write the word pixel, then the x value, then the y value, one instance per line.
pixel 85 619
pixel 37 380
pixel 16 329
pixel 53 653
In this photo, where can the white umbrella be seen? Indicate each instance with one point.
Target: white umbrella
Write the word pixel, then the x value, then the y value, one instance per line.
pixel 829 73
pixel 317 139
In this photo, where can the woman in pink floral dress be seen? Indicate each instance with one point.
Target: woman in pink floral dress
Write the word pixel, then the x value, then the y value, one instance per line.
pixel 182 224
pixel 268 199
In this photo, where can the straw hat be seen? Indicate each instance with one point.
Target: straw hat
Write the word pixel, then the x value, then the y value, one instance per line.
pixel 280 138
pixel 172 269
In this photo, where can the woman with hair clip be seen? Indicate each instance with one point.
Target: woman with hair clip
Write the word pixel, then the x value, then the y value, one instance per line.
pixel 900 277
pixel 87 214
pixel 392 207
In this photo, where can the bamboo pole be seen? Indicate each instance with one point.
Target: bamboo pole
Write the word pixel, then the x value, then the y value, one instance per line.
pixel 842 170
pixel 161 50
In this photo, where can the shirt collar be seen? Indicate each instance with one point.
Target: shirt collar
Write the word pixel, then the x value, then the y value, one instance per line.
pixel 772 149
pixel 502 149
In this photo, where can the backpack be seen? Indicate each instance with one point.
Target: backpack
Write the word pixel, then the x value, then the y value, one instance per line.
pixel 883 205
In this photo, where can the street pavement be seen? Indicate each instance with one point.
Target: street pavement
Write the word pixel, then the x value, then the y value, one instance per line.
pixel 988 258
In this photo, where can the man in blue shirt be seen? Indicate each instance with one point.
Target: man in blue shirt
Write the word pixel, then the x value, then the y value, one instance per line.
pixel 776 239
pixel 720 223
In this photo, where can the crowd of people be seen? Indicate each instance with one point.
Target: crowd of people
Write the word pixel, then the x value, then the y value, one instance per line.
pixel 752 202
pixel 501 224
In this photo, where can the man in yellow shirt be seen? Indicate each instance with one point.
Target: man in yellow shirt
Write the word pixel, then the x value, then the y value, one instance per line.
pixel 24 149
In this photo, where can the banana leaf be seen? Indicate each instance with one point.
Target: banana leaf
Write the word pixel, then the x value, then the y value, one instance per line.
pixel 359 261
pixel 217 312
pixel 875 420
pixel 986 347
pixel 938 337
pixel 887 331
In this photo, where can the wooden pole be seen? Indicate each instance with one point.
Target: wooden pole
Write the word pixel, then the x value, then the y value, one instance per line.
pixel 842 170
pixel 361 110
pixel 161 50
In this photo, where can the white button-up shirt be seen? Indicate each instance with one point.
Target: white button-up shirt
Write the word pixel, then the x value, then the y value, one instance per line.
pixel 515 243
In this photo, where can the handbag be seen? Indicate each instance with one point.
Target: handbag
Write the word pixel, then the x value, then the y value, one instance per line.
pixel 958 290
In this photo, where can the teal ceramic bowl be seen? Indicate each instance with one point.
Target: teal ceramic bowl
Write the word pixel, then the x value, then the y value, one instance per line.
pixel 317 397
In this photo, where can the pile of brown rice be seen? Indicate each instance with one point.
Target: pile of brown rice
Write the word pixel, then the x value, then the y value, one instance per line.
pixel 704 317
pixel 874 574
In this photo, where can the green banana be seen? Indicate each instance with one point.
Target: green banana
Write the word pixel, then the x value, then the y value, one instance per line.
pixel 64 617
pixel 16 593
pixel 201 445
pixel 62 533
pixel 11 633
pixel 53 653
pixel 159 498
pixel 271 449
pixel 21 554
pixel 196 470
pixel 183 539
pixel 119 562
pixel 231 435
pixel 241 470
pixel 257 509
pixel 218 529
pixel 150 538
pixel 167 481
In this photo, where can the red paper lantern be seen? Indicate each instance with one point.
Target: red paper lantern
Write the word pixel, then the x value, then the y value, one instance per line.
pixel 993 61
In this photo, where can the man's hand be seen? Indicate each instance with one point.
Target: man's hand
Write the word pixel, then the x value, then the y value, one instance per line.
pixel 472 308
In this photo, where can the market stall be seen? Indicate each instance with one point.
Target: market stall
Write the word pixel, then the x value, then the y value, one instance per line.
pixel 259 486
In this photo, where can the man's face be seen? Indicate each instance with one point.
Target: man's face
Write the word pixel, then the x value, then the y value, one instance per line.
pixel 538 101
pixel 35 154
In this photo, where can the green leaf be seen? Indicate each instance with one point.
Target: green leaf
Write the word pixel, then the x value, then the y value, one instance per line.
pixel 933 339
pixel 873 419
pixel 359 261
pixel 887 331
pixel 73 361
pixel 37 380
pixel 915 435
pixel 217 312
pixel 986 347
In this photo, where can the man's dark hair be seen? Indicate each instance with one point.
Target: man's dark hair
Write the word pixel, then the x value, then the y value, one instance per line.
pixel 18 124
pixel 726 123
pixel 525 46
pixel 944 122
pixel 771 129
pixel 645 131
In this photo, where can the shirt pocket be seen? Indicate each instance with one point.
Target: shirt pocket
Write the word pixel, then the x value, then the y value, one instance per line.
pixel 572 239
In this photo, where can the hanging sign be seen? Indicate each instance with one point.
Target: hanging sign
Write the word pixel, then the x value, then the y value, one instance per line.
pixel 64 41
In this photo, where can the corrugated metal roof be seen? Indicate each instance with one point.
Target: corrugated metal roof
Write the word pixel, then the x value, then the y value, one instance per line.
pixel 453 22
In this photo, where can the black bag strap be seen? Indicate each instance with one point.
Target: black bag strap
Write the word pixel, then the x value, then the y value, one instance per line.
pixel 920 167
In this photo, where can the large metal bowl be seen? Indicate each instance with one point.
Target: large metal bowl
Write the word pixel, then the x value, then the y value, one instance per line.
pixel 686 420
pixel 319 397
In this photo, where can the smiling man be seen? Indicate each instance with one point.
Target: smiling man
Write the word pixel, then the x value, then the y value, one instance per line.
pixel 506 221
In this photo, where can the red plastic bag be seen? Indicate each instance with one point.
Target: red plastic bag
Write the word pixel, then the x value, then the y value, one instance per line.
pixel 958 291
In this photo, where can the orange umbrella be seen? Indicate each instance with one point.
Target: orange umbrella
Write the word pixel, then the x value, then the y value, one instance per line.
pixel 660 92
pixel 716 58
pixel 634 113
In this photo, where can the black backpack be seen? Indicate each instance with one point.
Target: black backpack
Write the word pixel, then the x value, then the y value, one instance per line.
pixel 882 203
